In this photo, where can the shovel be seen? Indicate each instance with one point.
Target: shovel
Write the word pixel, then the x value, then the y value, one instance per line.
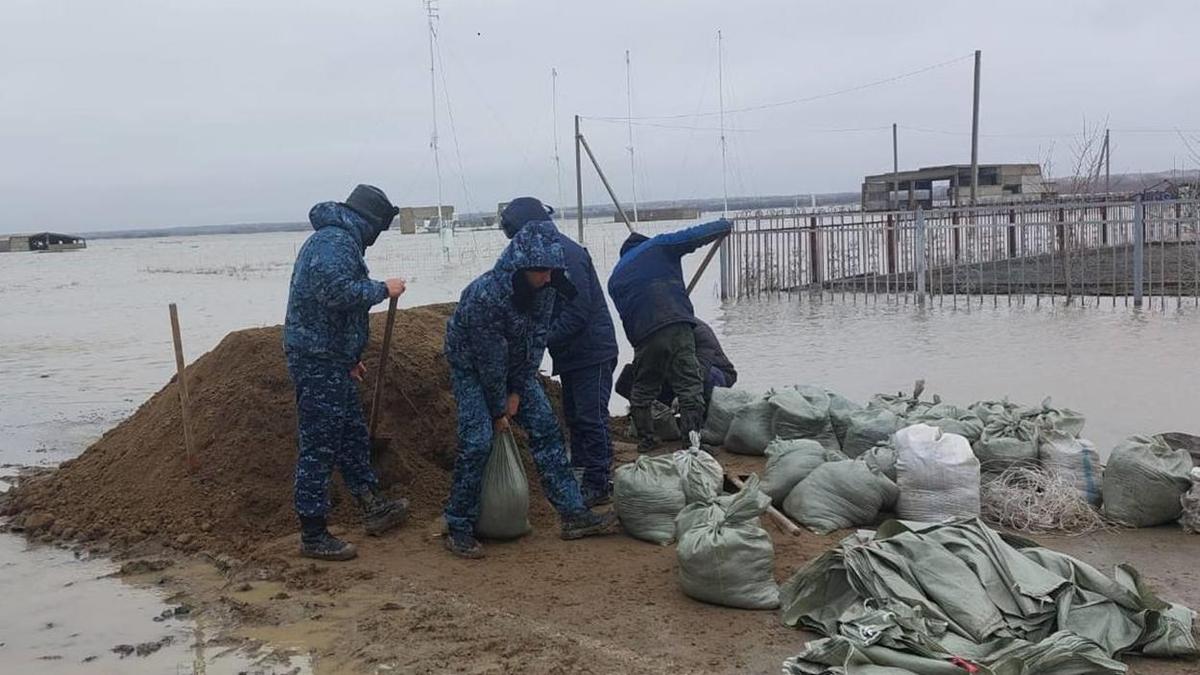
pixel 379 445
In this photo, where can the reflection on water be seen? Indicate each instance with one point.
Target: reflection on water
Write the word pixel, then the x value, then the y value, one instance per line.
pixel 1129 372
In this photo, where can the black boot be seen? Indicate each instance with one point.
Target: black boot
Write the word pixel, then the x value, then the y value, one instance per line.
pixel 316 542
pixel 381 514
pixel 589 524
pixel 463 545
pixel 643 421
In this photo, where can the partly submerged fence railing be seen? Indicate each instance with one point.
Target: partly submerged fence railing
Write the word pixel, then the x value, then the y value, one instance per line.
pixel 1076 252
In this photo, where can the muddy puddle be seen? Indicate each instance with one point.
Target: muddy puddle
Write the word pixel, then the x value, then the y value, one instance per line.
pixel 66 614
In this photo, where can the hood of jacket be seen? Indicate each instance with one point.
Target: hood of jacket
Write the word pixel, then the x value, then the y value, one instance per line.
pixel 336 214
pixel 535 245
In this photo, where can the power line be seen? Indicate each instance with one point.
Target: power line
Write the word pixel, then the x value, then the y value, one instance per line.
pixel 797 101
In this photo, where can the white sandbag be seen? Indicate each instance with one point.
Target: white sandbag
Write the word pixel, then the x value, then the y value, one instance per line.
pixel 788 463
pixel 803 412
pixel 937 473
pixel 1074 459
pixel 840 410
pixel 727 558
pixel 701 475
pixel 750 430
pixel 504 493
pixel 1190 504
pixel 647 495
pixel 1007 440
pixel 1144 481
pixel 869 428
pixel 724 404
pixel 838 495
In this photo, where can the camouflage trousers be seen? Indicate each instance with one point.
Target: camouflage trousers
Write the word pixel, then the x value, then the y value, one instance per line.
pixel 537 418
pixel 332 433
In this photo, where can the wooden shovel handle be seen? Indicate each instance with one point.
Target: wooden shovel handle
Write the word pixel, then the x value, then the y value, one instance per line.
pixel 776 515
pixel 383 357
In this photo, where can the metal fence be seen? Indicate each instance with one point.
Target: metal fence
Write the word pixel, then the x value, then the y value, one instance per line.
pixel 1132 252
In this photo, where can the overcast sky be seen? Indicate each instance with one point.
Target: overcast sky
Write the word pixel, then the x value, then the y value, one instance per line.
pixel 118 114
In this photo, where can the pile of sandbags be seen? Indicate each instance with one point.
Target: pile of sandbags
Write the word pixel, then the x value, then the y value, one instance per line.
pixel 649 493
pixel 1144 482
pixel 937 473
pixel 725 556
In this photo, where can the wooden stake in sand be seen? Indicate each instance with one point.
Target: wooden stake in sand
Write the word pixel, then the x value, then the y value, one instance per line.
pixel 783 521
pixel 383 358
pixel 183 390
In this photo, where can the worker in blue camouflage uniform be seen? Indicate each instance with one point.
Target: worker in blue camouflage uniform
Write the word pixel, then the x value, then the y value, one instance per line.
pixel 495 341
pixel 324 335
pixel 583 346
pixel 649 292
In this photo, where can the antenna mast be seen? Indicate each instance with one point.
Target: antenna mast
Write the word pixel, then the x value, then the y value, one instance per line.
pixel 721 98
pixel 629 122
pixel 431 11
pixel 554 112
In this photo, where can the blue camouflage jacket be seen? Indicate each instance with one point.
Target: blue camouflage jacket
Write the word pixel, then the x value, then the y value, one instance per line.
pixel 488 336
pixel 647 284
pixel 331 292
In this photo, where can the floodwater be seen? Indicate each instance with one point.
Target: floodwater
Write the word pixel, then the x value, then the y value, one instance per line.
pixel 87 338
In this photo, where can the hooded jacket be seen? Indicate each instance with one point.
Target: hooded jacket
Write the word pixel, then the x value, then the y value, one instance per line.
pixel 488 336
pixel 331 291
pixel 581 331
pixel 647 284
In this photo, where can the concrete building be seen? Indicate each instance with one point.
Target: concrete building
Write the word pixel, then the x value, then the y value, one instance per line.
pixel 41 242
pixel 910 189
pixel 412 217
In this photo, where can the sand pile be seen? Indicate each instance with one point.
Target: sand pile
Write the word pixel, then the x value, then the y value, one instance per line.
pixel 133 484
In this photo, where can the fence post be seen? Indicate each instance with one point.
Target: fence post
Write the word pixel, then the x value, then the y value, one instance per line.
pixel 956 235
pixel 1104 224
pixel 724 263
pixel 1012 233
pixel 814 254
pixel 891 244
pixel 919 256
pixel 1060 230
pixel 1139 242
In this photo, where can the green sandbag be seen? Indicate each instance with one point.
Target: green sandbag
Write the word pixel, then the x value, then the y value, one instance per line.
pixel 803 412
pixel 724 404
pixel 1144 480
pixel 788 463
pixel 869 428
pixel 951 419
pixel 838 495
pixel 1007 441
pixel 726 557
pixel 840 410
pixel 750 431
pixel 647 495
pixel 700 475
pixel 504 495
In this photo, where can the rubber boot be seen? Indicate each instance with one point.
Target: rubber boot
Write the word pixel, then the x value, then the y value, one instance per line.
pixel 317 542
pixel 588 524
pixel 381 514
pixel 644 422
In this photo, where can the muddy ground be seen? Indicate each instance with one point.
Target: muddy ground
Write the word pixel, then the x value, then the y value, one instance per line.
pixel 540 604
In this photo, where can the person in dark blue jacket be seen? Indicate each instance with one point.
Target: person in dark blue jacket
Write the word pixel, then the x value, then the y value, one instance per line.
pixel 323 338
pixel 495 341
pixel 583 346
pixel 649 292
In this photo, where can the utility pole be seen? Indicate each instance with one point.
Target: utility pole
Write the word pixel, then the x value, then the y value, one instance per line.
pixel 975 135
pixel 629 124
pixel 895 169
pixel 554 112
pixel 578 181
pixel 1107 186
pixel 721 99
